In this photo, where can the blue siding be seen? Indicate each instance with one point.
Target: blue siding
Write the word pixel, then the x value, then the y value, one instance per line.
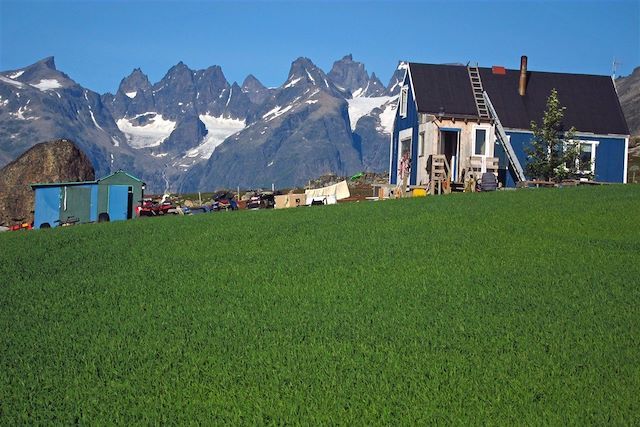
pixel 402 123
pixel 610 156
pixel 118 202
pixel 47 206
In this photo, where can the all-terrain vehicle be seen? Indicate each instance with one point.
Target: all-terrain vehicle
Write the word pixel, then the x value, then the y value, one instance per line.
pixel 150 207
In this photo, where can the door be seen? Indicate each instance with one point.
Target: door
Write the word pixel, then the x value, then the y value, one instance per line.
pixel 47 206
pixel 130 202
pixel 404 159
pixel 118 202
pixel 450 150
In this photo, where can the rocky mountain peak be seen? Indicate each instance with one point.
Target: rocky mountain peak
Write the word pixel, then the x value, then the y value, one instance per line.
pixel 48 62
pixel 305 74
pixel 211 80
pixel 255 90
pixel 300 66
pixel 135 81
pixel 251 83
pixel 352 76
pixel 178 71
pixel 43 75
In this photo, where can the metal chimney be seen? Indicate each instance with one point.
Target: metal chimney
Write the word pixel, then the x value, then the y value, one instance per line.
pixel 522 87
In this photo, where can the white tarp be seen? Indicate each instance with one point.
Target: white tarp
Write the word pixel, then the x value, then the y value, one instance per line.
pixel 325 200
pixel 339 190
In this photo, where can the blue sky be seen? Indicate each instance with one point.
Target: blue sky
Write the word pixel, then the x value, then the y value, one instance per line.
pixel 98 42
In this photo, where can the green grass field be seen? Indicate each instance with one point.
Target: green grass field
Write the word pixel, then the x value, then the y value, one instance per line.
pixel 505 308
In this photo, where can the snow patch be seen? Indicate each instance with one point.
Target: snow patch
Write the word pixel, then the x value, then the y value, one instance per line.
pixel 293 82
pixel 150 135
pixel 20 114
pixel 116 143
pixel 362 106
pixel 270 163
pixel 276 112
pixel 218 129
pixel 131 94
pixel 94 119
pixel 311 101
pixel 229 99
pixel 16 75
pixel 11 82
pixel 47 84
pixel 310 78
pixel 360 92
pixel 159 154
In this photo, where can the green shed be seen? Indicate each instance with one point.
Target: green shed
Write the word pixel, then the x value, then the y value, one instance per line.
pixel 119 194
pixel 116 195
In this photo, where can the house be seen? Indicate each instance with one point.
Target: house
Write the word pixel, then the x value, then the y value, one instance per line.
pixel 114 197
pixel 455 122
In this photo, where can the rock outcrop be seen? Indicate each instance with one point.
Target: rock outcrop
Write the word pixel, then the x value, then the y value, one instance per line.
pixel 54 161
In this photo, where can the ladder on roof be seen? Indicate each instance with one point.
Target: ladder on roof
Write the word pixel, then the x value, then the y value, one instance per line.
pixel 478 91
pixel 506 143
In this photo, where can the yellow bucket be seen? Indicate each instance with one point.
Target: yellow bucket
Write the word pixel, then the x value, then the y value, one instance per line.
pixel 419 192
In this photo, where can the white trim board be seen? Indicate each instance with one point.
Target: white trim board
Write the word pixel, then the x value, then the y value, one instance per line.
pixel 578 133
pixel 413 90
pixel 626 160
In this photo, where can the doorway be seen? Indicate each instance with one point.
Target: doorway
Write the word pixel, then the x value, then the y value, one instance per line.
pixel 450 148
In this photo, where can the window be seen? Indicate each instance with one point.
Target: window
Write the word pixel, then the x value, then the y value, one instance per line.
pixel 586 161
pixel 404 95
pixel 405 147
pixel 480 142
pixel 587 157
pixel 421 144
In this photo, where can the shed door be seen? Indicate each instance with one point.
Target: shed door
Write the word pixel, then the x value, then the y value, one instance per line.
pixel 118 202
pixel 47 206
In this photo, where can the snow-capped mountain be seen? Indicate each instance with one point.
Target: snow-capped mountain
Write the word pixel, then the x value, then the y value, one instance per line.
pixel 40 103
pixel 182 118
pixel 301 131
pixel 351 76
pixel 194 130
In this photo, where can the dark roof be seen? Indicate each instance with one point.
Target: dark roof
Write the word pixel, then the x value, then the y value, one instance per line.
pixel 120 171
pixel 443 87
pixel 62 184
pixel 591 101
pixel 96 181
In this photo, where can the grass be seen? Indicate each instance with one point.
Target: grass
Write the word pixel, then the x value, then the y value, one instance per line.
pixel 507 308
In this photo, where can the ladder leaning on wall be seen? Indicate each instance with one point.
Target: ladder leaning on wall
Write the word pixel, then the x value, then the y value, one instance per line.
pixel 502 136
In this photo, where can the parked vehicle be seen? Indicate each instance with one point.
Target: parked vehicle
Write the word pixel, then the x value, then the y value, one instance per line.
pixel 150 207
pixel 224 200
pixel 262 200
pixel 71 220
pixel 19 224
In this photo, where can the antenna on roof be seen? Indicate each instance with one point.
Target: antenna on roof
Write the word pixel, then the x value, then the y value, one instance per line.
pixel 614 68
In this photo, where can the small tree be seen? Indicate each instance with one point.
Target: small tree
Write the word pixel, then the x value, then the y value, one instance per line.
pixel 553 154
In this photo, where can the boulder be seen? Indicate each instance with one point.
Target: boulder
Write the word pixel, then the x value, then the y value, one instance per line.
pixel 53 161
